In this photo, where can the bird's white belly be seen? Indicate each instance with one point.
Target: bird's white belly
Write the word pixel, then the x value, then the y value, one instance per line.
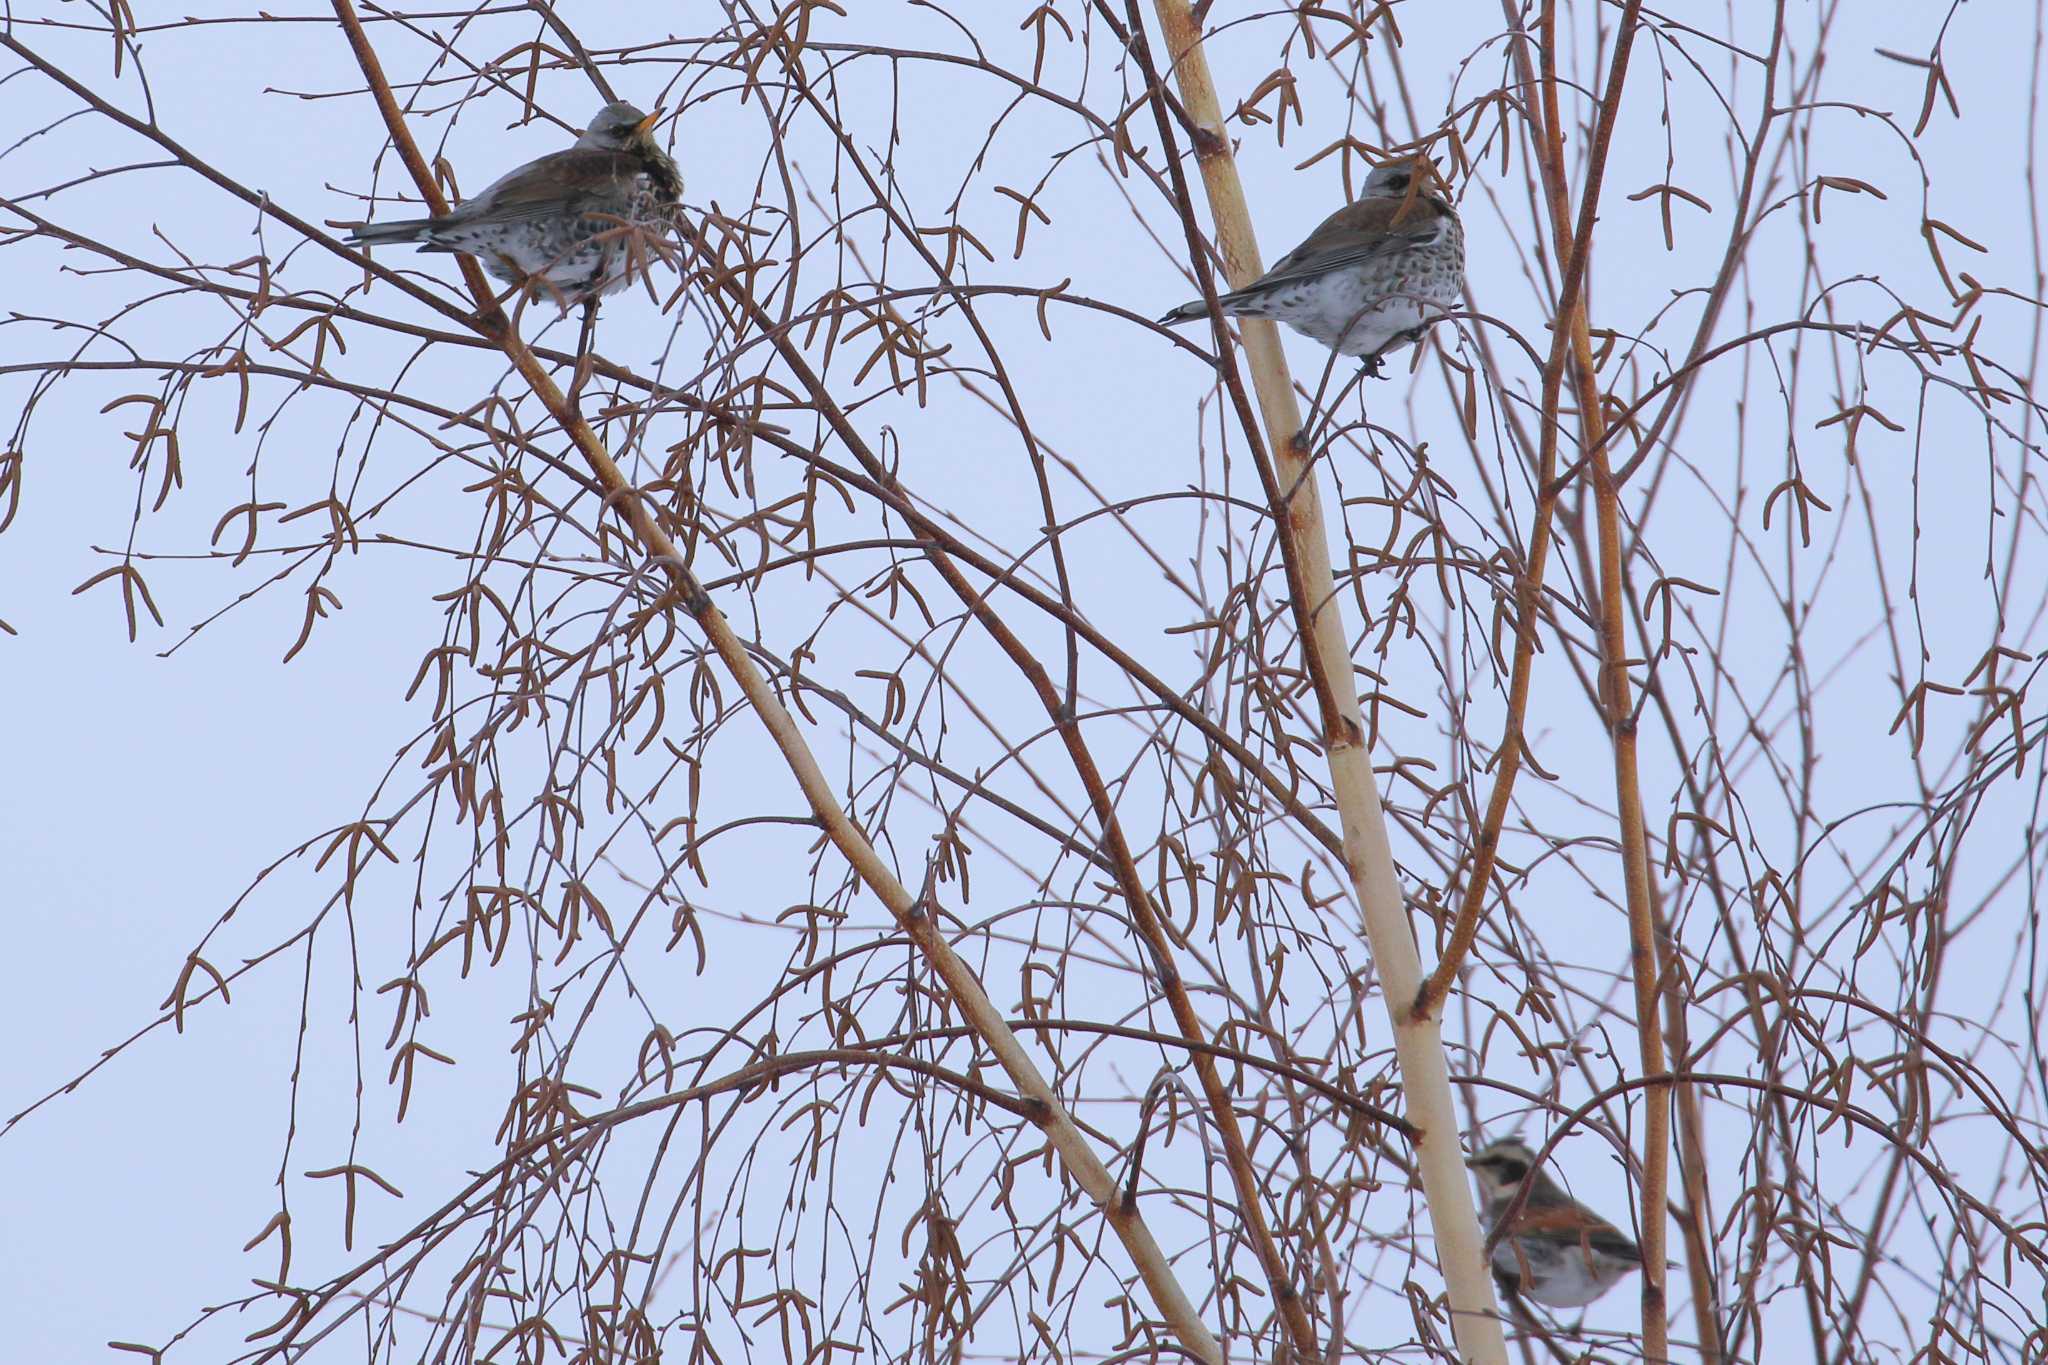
pixel 1352 319
pixel 1560 1276
pixel 1353 315
pixel 582 256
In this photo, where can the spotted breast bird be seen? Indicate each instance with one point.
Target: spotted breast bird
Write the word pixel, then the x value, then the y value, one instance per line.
pixel 566 224
pixel 1371 278
pixel 1557 1251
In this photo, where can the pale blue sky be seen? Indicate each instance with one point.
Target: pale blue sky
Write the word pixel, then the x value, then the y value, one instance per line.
pixel 148 790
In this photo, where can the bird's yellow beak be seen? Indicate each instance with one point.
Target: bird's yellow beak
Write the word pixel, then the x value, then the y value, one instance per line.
pixel 640 128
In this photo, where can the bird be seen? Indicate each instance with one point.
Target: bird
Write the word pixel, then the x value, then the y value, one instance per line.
pixel 565 223
pixel 1371 277
pixel 1558 1251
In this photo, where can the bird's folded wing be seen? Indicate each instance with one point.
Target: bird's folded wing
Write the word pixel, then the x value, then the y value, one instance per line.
pixel 561 182
pixel 1566 1227
pixel 1358 233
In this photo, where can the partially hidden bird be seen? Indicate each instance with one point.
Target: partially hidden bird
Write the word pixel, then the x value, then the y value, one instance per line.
pixel 1369 279
pixel 563 224
pixel 1556 1251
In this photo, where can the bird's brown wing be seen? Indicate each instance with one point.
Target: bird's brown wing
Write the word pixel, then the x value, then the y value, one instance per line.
pixel 1569 1227
pixel 556 183
pixel 1360 232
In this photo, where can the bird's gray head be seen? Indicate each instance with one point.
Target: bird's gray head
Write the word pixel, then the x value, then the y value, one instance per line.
pixel 1395 179
pixel 1503 1165
pixel 617 124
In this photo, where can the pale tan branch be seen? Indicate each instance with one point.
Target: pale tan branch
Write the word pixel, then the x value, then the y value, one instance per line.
pixel 1368 854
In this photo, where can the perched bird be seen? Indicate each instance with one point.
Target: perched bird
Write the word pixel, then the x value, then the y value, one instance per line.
pixel 561 224
pixel 1371 277
pixel 1558 1252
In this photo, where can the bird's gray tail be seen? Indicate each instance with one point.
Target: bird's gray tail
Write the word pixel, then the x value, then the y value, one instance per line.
pixel 1239 304
pixel 402 230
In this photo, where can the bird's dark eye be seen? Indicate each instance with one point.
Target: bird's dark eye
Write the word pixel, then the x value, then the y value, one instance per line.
pixel 1510 1169
pixel 1399 182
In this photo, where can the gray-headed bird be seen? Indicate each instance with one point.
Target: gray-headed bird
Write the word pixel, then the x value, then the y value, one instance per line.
pixel 565 223
pixel 1372 277
pixel 1558 1251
